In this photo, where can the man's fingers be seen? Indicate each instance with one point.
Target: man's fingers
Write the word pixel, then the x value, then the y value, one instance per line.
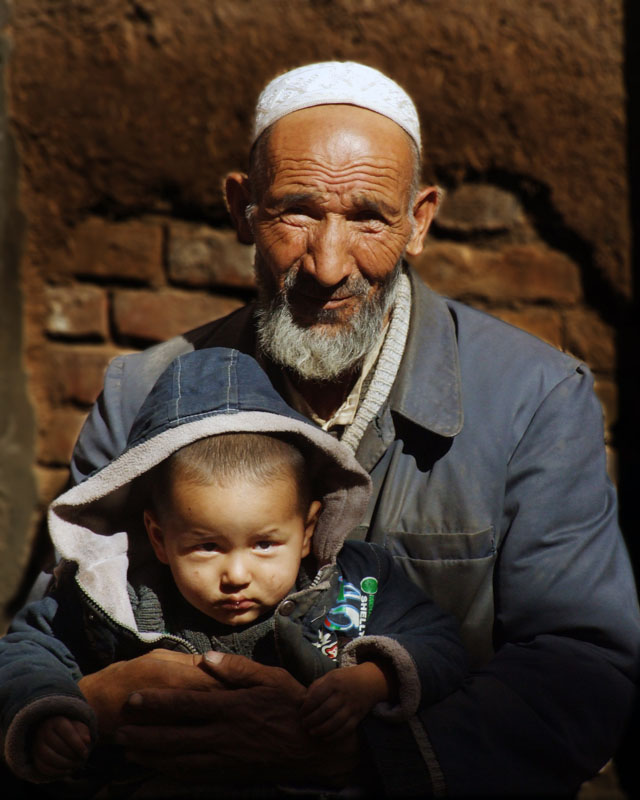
pixel 238 671
pixel 168 706
pixel 193 767
pixel 160 654
pixel 107 690
pixel 161 741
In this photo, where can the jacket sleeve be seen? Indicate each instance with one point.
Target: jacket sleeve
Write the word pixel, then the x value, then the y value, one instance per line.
pixel 547 711
pixel 406 629
pixel 38 679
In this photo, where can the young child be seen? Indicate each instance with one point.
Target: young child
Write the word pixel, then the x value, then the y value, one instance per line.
pixel 246 507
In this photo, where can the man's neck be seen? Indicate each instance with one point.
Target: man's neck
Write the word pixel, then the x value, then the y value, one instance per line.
pixel 325 397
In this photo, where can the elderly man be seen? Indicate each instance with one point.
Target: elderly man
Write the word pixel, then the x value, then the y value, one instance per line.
pixel 484 445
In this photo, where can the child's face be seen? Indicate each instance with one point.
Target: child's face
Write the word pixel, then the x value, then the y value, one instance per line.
pixel 234 550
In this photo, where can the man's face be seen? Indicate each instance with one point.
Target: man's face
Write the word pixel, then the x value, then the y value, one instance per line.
pixel 332 216
pixel 234 549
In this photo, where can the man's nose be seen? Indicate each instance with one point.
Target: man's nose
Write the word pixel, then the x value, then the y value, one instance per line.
pixel 328 256
pixel 236 570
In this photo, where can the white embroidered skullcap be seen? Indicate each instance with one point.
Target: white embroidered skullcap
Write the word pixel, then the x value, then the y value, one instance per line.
pixel 336 83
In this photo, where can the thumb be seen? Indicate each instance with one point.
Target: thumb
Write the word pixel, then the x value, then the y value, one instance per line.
pixel 237 671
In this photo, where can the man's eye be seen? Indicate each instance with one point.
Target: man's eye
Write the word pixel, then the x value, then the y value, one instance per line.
pixel 295 213
pixel 371 218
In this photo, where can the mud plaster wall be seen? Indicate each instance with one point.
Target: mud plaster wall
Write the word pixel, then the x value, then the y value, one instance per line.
pixel 126 115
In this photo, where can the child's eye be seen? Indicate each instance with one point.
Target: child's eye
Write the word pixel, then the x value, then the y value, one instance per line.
pixel 265 546
pixel 209 547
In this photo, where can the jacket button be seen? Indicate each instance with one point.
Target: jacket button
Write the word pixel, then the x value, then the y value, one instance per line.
pixel 287 607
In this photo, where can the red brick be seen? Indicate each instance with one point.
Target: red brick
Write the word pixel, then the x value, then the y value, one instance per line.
pixel 479 207
pixel 546 323
pixel 154 316
pixel 203 256
pixel 76 311
pixel 516 272
pixel 75 373
pixel 57 433
pixel 590 338
pixel 129 250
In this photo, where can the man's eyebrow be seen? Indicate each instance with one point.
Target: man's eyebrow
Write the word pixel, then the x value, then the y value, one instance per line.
pixel 292 198
pixel 361 202
pixel 365 203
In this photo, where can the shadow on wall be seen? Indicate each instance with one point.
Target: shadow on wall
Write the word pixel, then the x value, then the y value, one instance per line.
pixel 17 484
pixel 629 362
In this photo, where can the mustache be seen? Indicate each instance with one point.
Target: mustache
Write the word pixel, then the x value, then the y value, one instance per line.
pixel 299 283
pixel 317 354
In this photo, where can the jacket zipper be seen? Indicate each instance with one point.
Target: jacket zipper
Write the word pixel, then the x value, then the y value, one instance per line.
pixel 100 610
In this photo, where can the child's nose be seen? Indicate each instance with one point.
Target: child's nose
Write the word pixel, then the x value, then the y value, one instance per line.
pixel 236 570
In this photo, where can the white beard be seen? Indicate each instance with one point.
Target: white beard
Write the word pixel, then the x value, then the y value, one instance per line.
pixel 327 350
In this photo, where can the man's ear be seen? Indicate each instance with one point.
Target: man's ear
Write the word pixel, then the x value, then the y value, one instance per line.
pixel 424 210
pixel 156 537
pixel 310 525
pixel 237 191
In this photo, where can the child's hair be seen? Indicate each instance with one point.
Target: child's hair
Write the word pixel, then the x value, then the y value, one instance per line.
pixel 257 457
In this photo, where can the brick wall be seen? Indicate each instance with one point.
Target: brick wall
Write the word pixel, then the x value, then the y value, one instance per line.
pixel 121 286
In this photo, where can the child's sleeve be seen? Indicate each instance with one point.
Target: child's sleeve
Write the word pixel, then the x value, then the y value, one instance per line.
pixel 407 630
pixel 38 679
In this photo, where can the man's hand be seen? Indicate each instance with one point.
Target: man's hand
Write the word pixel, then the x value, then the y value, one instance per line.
pixel 60 746
pixel 252 725
pixel 339 700
pixel 108 690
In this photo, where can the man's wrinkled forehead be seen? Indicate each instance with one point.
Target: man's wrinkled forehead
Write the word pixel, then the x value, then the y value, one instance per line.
pixel 334 149
pixel 336 83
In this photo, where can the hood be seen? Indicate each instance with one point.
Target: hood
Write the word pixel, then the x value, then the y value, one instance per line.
pixel 98 523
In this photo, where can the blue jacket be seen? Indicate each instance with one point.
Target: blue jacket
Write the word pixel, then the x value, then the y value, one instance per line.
pixel 490 488
pixel 88 620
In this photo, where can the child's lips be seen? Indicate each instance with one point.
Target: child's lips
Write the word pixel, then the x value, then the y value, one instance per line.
pixel 236 604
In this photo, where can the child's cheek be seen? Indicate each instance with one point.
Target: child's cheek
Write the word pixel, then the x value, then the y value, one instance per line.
pixel 276 584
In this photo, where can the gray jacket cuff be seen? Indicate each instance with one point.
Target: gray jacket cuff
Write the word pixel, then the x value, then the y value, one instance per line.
pixel 17 739
pixel 367 648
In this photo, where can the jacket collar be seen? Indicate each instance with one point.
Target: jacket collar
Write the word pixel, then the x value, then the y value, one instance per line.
pixel 427 390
